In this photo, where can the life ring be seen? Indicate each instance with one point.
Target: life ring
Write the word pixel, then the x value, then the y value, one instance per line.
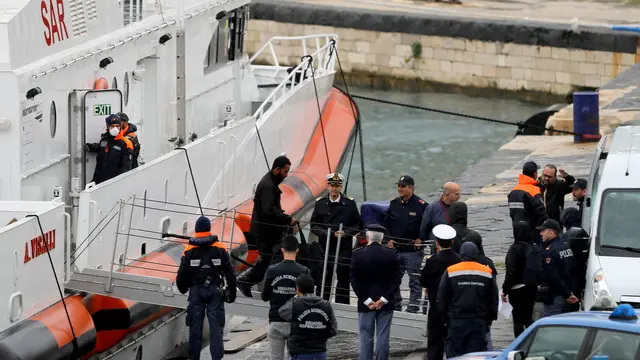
pixel 101 84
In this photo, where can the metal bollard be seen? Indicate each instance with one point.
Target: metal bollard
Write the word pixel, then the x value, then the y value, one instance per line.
pixel 334 278
pixel 326 259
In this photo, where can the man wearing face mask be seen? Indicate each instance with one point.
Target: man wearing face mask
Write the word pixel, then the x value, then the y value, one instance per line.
pixel 115 152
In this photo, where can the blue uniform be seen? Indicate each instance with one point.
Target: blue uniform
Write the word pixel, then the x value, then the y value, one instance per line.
pixel 402 221
pixel 556 276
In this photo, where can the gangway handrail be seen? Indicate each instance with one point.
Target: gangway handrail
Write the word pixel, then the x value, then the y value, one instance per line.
pixel 269 44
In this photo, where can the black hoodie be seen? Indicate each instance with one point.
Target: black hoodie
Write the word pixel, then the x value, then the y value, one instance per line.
pixel 516 256
pixel 458 220
pixel 578 241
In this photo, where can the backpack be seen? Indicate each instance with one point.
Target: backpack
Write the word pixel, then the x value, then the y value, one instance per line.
pixel 533 265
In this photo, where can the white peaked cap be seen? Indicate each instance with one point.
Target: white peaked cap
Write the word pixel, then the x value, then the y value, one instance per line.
pixel 444 232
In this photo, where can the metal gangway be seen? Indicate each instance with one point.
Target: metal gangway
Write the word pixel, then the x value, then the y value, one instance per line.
pixel 114 281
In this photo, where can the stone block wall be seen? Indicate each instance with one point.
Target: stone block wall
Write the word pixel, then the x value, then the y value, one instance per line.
pixel 460 52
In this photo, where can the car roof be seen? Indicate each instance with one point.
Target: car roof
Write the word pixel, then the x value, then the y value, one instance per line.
pixel 595 319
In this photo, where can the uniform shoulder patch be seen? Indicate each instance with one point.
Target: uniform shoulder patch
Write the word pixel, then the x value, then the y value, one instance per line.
pixel 421 201
pixel 318 199
pixel 349 197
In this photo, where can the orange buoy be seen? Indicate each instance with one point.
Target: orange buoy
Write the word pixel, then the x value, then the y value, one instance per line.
pixel 101 84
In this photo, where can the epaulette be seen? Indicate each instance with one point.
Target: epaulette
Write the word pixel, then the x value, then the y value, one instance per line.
pixel 318 199
pixel 350 198
pixel 421 201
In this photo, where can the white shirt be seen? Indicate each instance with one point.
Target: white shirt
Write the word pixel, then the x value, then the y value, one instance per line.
pixel 336 200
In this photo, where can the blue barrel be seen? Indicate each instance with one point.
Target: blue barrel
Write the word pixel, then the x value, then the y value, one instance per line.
pixel 372 212
pixel 586 116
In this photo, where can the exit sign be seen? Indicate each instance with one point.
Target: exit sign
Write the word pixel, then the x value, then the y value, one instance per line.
pixel 101 109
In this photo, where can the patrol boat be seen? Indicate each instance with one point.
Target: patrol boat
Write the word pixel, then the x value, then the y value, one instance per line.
pixel 89 269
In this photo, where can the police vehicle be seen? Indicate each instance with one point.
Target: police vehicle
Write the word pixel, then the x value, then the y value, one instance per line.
pixel 589 335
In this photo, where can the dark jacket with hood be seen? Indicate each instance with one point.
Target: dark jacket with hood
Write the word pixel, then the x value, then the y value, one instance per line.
pixel 268 220
pixel 458 220
pixel 114 156
pixel 553 195
pixel 516 256
pixel 194 272
pixel 130 133
pixel 474 237
pixel 578 241
pixel 525 203
pixel 468 289
pixel 309 338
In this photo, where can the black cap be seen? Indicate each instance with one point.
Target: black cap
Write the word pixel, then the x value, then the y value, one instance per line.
pixel 580 184
pixel 530 166
pixel 375 227
pixel 112 119
pixel 550 224
pixel 406 180
pixel 124 117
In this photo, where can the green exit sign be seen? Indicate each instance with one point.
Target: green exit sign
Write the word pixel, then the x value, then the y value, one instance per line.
pixel 101 109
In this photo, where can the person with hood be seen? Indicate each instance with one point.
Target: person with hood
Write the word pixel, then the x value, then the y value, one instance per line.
pixel 520 295
pixel 525 202
pixel 268 222
pixel 578 241
pixel 115 152
pixel 204 265
pixel 458 220
pixel 312 322
pixel 553 189
pixel 432 273
pixel 129 131
pixel 467 301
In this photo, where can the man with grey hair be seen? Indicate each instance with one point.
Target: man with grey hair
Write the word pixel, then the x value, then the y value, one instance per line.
pixel 375 278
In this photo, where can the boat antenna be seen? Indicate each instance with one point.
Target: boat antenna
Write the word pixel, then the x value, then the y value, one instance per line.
pixel 309 58
pixel 76 353
pixel 631 131
pixel 193 179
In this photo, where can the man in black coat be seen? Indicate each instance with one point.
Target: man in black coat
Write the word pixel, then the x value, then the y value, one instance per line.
pixel 553 189
pixel 330 211
pixel 430 279
pixel 375 277
pixel 268 222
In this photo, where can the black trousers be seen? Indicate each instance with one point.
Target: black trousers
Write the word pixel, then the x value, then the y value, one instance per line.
pixel 522 300
pixel 465 336
pixel 269 254
pixel 436 334
pixel 343 272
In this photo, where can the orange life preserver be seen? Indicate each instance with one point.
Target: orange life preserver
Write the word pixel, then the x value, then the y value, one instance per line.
pixel 101 84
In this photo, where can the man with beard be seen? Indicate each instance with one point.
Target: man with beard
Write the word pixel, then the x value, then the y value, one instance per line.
pixel 268 222
pixel 553 189
pixel 579 191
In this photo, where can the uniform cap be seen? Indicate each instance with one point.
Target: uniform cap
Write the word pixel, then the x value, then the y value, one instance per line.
pixel 550 224
pixel 375 227
pixel 113 119
pixel 335 178
pixel 444 232
pixel 530 166
pixel 406 180
pixel 580 184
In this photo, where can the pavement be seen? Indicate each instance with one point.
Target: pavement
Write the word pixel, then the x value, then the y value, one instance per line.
pixel 594 13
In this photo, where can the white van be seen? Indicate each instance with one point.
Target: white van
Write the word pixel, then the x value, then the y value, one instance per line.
pixel 611 217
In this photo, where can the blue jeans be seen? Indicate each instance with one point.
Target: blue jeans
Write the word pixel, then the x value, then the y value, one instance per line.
pixel 411 262
pixel 381 321
pixel 207 300
pixel 556 307
pixel 313 356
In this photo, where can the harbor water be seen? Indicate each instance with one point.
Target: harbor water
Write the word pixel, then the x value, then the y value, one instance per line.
pixel 433 148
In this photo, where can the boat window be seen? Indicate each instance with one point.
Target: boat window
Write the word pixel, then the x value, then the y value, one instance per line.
pixel 556 342
pixel 618 224
pixel 614 344
pixel 237 23
pixel 217 52
pixel 126 89
pixel 53 119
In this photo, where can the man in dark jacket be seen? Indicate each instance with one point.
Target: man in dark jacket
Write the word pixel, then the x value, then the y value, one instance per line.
pixel 268 222
pixel 203 266
pixel 330 211
pixel 458 221
pixel 279 287
pixel 467 300
pixel 525 202
pixel 579 192
pixel 432 273
pixel 312 322
pixel 129 131
pixel 521 296
pixel 436 213
pixel 115 152
pixel 554 189
pixel 375 278
pixel 402 221
pixel 578 241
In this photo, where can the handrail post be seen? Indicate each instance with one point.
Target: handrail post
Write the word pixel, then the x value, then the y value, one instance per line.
pixel 109 287
pixel 126 243
pixel 224 222
pixel 334 278
pixel 326 259
pixel 235 211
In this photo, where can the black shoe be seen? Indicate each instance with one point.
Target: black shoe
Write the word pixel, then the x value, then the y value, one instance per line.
pixel 245 288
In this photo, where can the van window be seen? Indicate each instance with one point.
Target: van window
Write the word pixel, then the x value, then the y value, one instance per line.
pixel 616 345
pixel 619 227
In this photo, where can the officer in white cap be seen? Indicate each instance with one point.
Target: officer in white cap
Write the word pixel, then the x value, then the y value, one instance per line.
pixel 330 211
pixel 430 279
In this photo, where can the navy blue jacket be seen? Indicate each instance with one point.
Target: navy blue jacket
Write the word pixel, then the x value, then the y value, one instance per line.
pixel 435 214
pixel 556 268
pixel 402 221
pixel 375 273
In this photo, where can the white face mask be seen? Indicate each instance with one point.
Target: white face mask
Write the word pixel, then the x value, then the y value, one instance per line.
pixel 114 131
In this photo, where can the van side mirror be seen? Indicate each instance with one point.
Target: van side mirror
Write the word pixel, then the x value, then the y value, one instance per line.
pixel 515 355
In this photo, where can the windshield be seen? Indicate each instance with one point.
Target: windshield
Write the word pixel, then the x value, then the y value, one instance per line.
pixel 619 228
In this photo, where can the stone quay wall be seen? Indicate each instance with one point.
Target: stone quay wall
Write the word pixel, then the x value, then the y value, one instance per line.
pixel 380 49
